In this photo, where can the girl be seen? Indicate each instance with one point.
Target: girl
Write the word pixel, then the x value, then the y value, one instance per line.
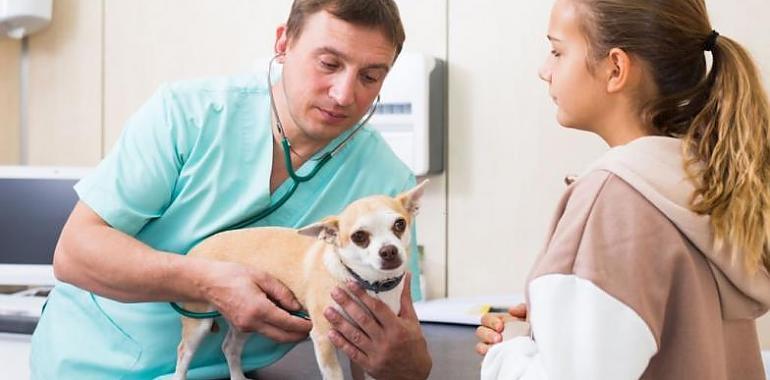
pixel 658 260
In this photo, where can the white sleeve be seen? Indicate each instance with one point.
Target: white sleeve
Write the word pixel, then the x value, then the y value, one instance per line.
pixel 581 332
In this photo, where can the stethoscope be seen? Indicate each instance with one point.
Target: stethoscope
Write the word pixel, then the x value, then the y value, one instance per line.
pixel 295 178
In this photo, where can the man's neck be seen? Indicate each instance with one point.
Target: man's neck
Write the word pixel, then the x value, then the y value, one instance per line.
pixel 302 145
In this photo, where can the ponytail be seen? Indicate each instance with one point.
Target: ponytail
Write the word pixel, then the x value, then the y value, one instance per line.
pixel 728 153
pixel 722 114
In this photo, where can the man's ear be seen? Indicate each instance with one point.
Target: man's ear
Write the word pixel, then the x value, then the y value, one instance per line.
pixel 327 229
pixel 411 199
pixel 281 43
pixel 619 68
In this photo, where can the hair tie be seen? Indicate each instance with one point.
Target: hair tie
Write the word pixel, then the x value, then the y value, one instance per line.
pixel 711 41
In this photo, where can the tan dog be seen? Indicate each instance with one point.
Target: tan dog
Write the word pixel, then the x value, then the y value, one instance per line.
pixel 368 243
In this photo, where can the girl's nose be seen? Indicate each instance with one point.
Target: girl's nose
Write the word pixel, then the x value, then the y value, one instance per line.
pixel 544 73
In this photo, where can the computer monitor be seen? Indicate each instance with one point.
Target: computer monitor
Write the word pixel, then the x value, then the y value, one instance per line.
pixel 34 205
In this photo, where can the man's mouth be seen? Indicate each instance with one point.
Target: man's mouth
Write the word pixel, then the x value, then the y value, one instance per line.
pixel 332 114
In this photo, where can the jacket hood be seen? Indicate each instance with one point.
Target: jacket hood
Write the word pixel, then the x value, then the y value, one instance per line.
pixel 654 166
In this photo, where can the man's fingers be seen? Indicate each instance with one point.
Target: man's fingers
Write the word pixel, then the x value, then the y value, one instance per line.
pixel 356 356
pixel 381 312
pixel 350 332
pixel 407 308
pixel 370 320
pixel 281 319
pixel 278 292
pixel 278 334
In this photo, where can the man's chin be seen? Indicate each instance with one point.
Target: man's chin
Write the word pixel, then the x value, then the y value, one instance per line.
pixel 326 133
pixel 330 129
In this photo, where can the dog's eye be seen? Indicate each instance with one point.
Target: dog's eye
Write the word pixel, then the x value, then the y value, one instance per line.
pixel 399 226
pixel 361 238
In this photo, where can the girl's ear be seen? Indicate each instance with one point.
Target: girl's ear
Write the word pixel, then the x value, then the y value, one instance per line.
pixel 619 68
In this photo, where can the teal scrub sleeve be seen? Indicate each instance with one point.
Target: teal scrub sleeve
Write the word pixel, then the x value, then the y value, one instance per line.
pixel 135 182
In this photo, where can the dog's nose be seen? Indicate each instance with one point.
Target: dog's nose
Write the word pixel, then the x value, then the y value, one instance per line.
pixel 389 253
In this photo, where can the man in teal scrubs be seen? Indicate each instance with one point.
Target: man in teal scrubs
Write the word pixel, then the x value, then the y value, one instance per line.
pixel 201 156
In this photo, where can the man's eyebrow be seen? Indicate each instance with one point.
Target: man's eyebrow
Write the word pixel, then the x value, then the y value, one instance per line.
pixel 344 57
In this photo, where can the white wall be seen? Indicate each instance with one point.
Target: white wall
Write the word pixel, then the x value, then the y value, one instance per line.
pixel 507 156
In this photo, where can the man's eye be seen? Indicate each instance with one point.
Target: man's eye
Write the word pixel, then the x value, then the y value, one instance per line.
pixel 329 65
pixel 370 78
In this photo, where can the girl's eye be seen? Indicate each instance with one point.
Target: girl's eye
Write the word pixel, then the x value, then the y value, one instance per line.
pixel 555 53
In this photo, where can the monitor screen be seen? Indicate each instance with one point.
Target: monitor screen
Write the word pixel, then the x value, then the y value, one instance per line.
pixel 34 205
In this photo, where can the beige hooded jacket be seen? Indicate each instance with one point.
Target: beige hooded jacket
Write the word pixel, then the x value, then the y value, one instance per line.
pixel 630 284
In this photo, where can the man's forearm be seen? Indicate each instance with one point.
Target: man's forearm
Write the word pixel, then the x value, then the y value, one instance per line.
pixel 98 258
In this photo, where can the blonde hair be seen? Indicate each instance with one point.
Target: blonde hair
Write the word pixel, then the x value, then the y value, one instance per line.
pixel 722 114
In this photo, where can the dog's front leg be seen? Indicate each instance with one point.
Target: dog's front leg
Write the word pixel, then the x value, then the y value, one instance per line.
pixel 326 354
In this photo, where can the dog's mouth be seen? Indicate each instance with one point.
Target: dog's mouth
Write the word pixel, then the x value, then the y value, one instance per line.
pixel 391 264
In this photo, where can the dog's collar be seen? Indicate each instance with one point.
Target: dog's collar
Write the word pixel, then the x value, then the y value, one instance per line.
pixel 377 286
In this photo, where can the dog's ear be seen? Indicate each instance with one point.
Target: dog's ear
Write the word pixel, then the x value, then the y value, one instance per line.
pixel 327 230
pixel 411 199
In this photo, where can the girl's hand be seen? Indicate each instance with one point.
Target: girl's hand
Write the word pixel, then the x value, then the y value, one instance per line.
pixel 492 324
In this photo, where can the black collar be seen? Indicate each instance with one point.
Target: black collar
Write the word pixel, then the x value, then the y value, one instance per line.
pixel 377 286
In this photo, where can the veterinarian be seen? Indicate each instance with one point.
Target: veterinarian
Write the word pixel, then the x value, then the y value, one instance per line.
pixel 203 156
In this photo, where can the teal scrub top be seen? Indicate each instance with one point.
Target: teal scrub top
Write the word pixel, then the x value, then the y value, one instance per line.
pixel 193 160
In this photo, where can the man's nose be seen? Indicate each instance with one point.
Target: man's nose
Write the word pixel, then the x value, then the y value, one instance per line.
pixel 343 90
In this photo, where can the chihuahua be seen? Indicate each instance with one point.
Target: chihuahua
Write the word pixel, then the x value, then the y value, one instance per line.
pixel 367 243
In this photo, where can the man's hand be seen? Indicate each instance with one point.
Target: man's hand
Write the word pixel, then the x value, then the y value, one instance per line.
pixel 386 346
pixel 491 330
pixel 250 300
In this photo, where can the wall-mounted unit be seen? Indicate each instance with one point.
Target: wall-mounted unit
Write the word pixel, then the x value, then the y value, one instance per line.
pixel 411 114
pixel 19 18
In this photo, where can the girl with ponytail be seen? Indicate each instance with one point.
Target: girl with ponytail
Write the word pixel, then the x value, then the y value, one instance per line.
pixel 658 260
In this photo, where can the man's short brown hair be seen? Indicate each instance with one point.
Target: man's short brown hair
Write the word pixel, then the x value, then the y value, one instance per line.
pixel 381 14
